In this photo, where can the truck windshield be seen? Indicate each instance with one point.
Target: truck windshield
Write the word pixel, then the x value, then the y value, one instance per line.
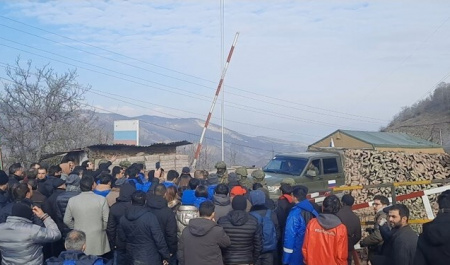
pixel 286 165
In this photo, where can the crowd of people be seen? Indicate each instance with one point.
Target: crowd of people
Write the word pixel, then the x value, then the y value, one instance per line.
pixel 68 214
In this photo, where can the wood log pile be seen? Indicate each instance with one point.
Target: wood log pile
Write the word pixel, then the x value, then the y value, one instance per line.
pixel 368 167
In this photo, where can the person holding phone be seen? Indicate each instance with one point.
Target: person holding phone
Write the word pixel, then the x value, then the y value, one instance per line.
pixel 21 240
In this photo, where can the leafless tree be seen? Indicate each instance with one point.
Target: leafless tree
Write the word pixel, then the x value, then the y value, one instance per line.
pixel 41 112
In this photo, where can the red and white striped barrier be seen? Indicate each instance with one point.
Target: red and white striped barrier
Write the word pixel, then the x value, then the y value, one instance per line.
pixel 423 193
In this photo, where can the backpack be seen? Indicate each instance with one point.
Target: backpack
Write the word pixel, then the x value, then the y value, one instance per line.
pixel 269 234
pixel 140 186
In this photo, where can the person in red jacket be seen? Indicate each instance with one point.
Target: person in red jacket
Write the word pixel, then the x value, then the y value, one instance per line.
pixel 326 239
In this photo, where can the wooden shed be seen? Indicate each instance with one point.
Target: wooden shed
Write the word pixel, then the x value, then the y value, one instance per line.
pixel 165 153
pixel 381 141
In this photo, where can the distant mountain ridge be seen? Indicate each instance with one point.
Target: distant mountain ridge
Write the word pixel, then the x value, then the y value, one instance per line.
pixel 239 148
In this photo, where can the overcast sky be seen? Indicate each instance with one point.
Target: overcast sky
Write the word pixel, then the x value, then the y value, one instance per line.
pixel 300 69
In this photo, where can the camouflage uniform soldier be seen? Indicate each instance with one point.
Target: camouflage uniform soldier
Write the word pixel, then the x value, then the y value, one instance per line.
pixel 245 181
pixel 222 172
pixel 258 176
pixel 125 164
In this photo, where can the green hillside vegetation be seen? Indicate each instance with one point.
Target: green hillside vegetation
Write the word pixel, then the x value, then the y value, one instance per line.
pixel 429 118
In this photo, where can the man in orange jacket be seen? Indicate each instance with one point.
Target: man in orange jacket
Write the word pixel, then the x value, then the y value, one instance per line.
pixel 326 237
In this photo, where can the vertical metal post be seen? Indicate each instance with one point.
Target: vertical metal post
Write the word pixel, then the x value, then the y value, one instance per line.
pixel 222 9
pixel 394 197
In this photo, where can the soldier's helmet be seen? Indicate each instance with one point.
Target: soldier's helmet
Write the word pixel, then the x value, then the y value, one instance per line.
pixel 258 174
pixel 220 165
pixel 288 181
pixel 125 164
pixel 102 161
pixel 241 171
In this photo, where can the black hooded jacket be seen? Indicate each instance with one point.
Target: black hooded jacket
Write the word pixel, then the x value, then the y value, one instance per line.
pixel 201 243
pixel 245 236
pixel 117 210
pixel 433 246
pixel 145 243
pixel 61 205
pixel 167 220
pixel 4 198
pixel 50 207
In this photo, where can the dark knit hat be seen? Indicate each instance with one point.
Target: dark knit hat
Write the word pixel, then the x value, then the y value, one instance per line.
pixel 3 177
pixel 22 210
pixel 239 203
pixel 257 197
pixel 233 177
pixel 213 179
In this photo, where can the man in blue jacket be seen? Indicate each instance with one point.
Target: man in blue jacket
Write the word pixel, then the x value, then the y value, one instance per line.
pixel 75 245
pixel 296 223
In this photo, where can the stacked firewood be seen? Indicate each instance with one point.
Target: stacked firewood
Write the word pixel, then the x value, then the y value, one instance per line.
pixel 368 167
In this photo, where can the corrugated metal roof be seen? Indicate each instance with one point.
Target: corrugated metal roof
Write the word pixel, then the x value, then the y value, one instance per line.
pixel 180 143
pixel 390 139
pixel 116 146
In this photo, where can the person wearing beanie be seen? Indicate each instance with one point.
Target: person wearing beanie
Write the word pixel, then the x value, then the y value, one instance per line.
pixel 117 210
pixel 244 232
pixel 21 240
pixel 351 222
pixel 203 241
pixel 212 182
pixel 284 205
pixel 295 228
pixel 221 200
pixel 259 209
pixel 4 196
pixel 186 171
pixel 49 207
pixel 233 180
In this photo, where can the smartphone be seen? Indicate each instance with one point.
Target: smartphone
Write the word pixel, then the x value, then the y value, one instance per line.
pixel 157 165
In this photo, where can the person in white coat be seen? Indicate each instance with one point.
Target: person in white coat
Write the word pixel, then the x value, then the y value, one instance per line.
pixel 88 212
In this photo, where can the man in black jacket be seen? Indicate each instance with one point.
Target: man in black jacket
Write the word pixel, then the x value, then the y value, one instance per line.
pixel 351 222
pixel 4 195
pixel 118 209
pixel 166 218
pixel 140 230
pixel 202 242
pixel 15 175
pixel 433 246
pixel 401 247
pixel 244 232
pixel 49 207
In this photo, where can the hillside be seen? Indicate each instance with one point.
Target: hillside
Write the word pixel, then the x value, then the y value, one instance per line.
pixel 428 119
pixel 239 149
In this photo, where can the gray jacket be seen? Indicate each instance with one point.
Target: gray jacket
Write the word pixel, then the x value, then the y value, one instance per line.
pixel 89 213
pixel 21 240
pixel 223 205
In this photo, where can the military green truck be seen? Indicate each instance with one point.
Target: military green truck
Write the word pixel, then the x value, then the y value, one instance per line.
pixel 318 171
